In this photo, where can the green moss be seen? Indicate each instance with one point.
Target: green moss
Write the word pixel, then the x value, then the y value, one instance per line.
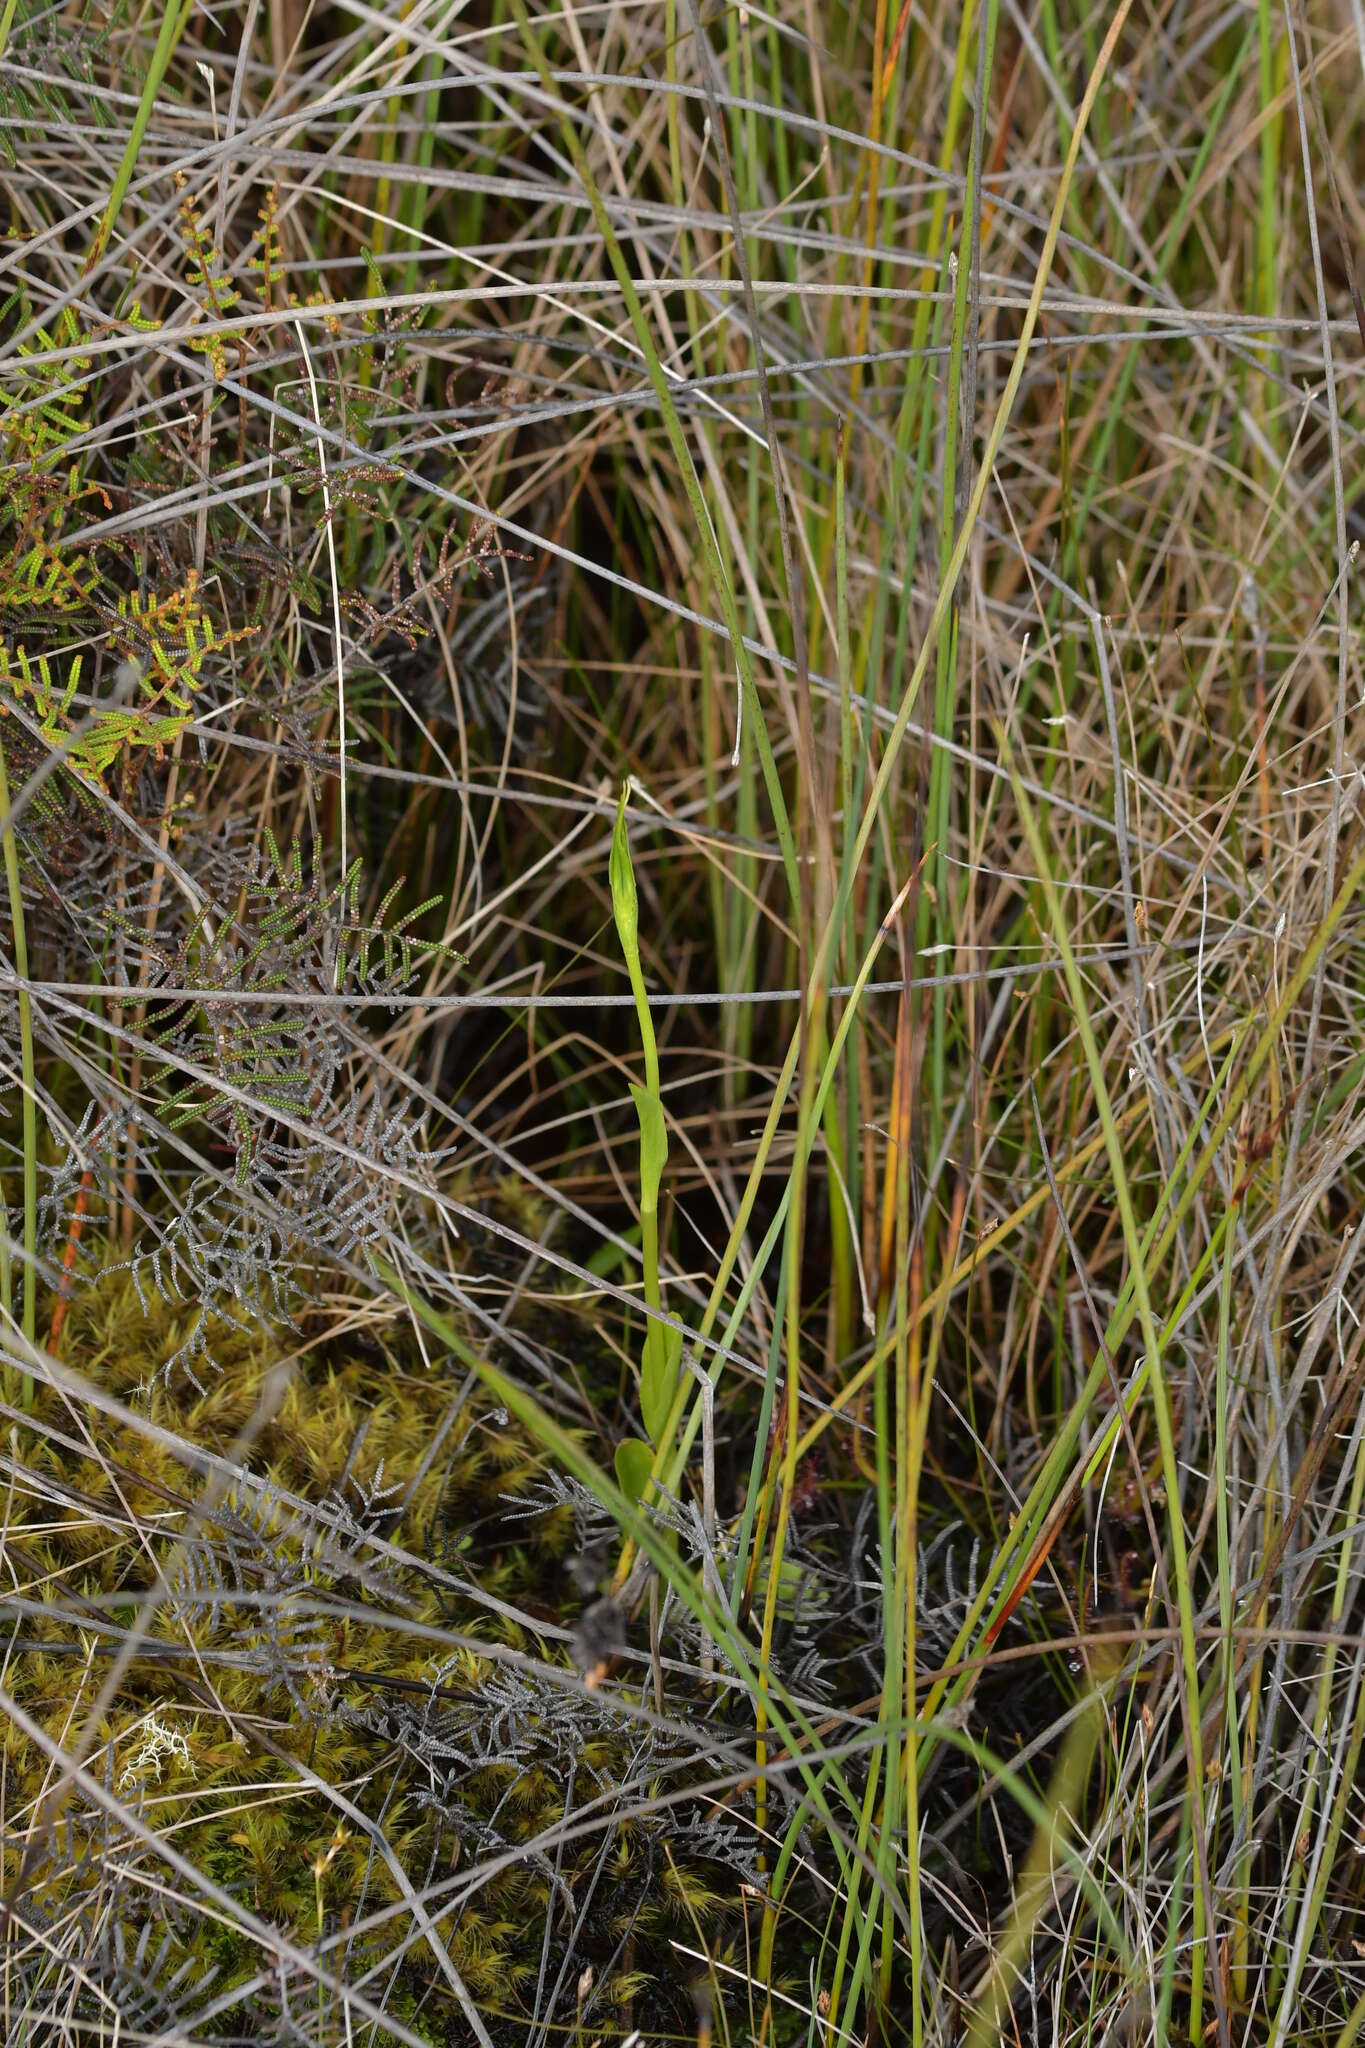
pixel 241 1686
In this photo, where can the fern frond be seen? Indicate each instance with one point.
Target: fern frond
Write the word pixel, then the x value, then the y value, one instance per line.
pixel 204 271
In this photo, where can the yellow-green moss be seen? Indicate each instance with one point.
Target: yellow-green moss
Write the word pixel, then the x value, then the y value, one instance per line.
pixel 222 1776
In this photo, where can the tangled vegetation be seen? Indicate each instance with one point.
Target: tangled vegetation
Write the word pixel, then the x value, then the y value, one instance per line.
pixel 681 1070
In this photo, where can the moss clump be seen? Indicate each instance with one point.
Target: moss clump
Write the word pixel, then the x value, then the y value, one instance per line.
pixel 347 1686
